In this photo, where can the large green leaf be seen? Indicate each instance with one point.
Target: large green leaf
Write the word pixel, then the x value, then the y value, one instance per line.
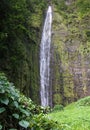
pixel 2 109
pixel 0 127
pixel 15 104
pixel 26 112
pixel 4 100
pixel 24 123
pixel 2 90
pixel 15 115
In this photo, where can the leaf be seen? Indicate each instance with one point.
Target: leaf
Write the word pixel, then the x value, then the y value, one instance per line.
pixel 2 109
pixel 16 104
pixel 4 101
pixel 0 127
pixel 26 112
pixel 24 123
pixel 2 90
pixel 16 116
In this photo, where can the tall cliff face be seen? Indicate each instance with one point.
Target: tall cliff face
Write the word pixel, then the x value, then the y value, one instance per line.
pixel 20 34
pixel 70 50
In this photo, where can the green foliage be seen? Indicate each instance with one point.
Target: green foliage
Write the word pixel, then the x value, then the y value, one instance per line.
pixel 71 29
pixel 2 109
pixel 20 25
pixel 58 108
pixel 84 101
pixel 18 112
pixel 0 127
pixel 83 6
pixel 24 123
pixel 11 106
pixel 74 116
pixel 60 4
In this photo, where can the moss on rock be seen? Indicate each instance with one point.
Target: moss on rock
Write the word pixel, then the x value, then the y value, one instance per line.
pixel 71 52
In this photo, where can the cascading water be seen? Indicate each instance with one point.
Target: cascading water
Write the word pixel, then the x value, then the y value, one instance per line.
pixel 45 59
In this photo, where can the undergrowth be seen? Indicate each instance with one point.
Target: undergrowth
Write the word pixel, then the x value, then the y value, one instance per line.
pixel 84 101
pixel 19 113
pixel 75 116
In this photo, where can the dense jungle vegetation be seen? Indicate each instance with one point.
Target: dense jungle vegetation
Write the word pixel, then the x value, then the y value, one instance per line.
pixel 20 32
pixel 21 24
pixel 19 113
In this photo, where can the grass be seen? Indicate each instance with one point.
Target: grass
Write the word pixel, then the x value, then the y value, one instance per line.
pixel 75 116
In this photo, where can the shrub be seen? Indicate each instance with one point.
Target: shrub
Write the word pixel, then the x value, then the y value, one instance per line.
pixel 18 112
pixel 58 108
pixel 60 4
pixel 83 6
pixel 84 101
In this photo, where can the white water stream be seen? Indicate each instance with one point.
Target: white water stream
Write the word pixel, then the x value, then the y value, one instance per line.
pixel 45 59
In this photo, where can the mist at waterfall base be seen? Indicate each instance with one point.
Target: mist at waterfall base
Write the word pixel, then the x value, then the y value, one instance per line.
pixel 45 59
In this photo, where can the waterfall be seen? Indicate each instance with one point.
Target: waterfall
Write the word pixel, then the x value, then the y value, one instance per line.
pixel 45 59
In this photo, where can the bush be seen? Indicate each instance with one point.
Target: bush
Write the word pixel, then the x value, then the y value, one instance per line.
pixel 83 6
pixel 18 112
pixel 84 101
pixel 60 4
pixel 58 108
